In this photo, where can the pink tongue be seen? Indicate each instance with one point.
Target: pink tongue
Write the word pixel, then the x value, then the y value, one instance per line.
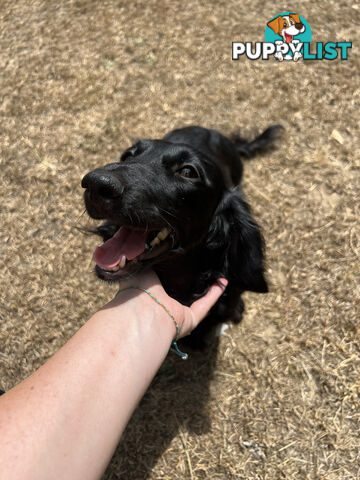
pixel 126 241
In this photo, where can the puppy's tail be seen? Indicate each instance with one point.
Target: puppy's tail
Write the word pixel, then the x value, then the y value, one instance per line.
pixel 250 149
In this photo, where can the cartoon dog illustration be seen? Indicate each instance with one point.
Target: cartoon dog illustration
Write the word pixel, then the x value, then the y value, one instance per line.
pixel 287 26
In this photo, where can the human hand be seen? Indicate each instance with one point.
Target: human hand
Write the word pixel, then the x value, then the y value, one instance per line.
pixel 187 318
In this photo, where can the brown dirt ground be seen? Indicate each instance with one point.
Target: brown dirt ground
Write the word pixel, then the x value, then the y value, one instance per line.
pixel 79 81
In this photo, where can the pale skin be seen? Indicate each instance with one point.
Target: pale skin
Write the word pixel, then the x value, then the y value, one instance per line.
pixel 66 419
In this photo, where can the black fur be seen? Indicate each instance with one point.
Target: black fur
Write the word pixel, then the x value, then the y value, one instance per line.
pixel 213 232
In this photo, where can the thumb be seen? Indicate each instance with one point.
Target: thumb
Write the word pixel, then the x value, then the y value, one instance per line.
pixel 201 307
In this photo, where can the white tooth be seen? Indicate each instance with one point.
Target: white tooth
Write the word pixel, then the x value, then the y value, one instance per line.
pixel 160 236
pixel 123 262
pixel 163 233
pixel 146 246
pixel 154 242
pixel 113 269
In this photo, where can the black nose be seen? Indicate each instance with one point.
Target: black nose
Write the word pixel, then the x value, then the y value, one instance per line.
pixel 102 184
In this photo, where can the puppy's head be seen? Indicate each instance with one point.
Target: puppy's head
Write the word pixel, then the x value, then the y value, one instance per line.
pixel 157 201
pixel 287 26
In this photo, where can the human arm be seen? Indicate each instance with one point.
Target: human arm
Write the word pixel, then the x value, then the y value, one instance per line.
pixel 66 419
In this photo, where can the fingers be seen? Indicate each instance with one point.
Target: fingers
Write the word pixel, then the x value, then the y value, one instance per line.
pixel 201 307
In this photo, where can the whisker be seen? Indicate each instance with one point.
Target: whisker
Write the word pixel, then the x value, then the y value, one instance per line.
pixel 166 221
pixel 169 213
pixel 138 218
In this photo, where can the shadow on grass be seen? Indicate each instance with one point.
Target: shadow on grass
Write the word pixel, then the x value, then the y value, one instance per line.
pixel 176 400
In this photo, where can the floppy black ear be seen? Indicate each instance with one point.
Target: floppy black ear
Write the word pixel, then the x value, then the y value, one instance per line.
pixel 236 237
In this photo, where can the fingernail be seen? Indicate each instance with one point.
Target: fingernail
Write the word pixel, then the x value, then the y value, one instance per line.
pixel 223 282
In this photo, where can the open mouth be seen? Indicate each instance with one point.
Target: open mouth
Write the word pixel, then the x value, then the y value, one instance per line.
pixel 126 248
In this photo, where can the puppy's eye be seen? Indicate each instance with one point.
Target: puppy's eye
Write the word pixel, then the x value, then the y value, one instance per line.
pixel 188 171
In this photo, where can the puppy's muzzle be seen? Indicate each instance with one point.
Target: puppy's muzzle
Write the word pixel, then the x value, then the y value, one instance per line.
pixel 102 186
pixel 104 190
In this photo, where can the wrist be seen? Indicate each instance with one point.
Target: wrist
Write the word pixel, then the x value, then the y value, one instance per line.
pixel 140 313
pixel 174 347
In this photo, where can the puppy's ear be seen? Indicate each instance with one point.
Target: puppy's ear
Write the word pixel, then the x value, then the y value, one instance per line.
pixel 295 17
pixel 276 25
pixel 235 237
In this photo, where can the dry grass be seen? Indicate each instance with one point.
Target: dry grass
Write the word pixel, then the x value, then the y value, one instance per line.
pixel 80 80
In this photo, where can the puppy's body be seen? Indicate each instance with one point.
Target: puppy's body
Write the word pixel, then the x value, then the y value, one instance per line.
pixel 186 186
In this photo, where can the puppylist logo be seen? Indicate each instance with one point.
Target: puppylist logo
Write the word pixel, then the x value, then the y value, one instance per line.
pixel 287 38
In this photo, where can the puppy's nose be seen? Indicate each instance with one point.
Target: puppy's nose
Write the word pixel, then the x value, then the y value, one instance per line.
pixel 103 185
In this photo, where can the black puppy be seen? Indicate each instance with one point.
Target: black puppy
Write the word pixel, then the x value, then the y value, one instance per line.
pixel 175 204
